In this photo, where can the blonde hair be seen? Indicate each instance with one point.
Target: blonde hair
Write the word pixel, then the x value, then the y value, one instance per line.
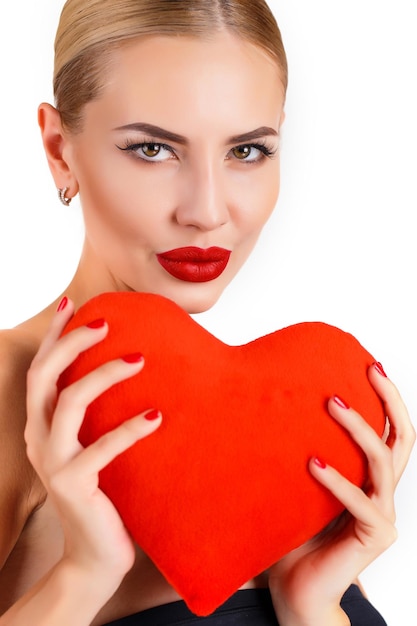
pixel 90 30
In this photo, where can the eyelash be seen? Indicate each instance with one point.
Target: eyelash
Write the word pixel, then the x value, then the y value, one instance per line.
pixel 133 147
pixel 263 147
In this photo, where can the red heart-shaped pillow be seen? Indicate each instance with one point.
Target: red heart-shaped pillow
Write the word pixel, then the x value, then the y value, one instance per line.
pixel 221 490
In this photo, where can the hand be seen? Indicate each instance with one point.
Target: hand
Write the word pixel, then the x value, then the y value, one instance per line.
pixel 96 540
pixel 307 584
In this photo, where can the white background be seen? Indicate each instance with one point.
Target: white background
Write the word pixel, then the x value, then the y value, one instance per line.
pixel 341 245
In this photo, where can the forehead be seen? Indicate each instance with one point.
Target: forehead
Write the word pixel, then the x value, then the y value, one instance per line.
pixel 185 83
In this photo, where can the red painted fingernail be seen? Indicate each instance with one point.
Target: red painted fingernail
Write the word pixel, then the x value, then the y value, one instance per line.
pixel 380 369
pixel 62 304
pixel 95 324
pixel 320 463
pixel 340 402
pixel 152 415
pixel 137 357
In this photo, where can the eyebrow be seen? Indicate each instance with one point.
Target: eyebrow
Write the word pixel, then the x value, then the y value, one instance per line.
pixel 162 133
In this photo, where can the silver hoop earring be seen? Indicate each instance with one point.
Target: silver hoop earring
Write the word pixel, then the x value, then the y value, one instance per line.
pixel 61 195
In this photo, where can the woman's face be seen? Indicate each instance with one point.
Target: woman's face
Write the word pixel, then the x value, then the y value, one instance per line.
pixel 178 166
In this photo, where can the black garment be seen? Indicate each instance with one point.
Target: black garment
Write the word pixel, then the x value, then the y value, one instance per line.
pixel 249 607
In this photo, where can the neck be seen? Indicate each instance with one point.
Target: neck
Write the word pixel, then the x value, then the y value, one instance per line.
pixel 90 279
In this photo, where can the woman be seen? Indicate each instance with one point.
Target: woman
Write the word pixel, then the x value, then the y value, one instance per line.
pixel 164 164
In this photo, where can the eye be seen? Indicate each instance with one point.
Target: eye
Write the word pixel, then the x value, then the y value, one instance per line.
pixel 149 151
pixel 242 152
pixel 154 152
pixel 252 153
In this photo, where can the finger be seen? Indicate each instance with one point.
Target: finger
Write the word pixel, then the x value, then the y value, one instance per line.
pixel 402 435
pixel 374 526
pixel 99 454
pixel 62 316
pixel 46 369
pixel 64 350
pixel 380 464
pixel 74 400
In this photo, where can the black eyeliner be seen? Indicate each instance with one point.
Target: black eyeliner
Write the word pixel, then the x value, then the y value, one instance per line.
pixel 129 146
pixel 263 147
pixel 133 147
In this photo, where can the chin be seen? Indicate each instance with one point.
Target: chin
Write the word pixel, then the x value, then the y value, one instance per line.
pixel 199 307
pixel 193 298
pixel 196 303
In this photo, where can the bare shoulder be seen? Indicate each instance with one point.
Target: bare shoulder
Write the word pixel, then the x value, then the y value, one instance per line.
pixel 20 489
pixel 17 349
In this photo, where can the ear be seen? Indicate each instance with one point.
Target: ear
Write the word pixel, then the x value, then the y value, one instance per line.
pixel 56 143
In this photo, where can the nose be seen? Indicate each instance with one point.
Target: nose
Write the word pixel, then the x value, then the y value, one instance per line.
pixel 203 203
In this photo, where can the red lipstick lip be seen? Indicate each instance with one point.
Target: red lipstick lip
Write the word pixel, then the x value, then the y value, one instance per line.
pixel 195 265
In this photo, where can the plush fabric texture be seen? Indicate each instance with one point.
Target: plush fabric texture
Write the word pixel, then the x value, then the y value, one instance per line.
pixel 221 490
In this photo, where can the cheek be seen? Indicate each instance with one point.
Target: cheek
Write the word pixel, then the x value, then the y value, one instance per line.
pixel 125 198
pixel 255 196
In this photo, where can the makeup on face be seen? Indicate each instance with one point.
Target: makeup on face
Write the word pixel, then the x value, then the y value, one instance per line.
pixel 247 148
pixel 195 265
pixel 177 176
